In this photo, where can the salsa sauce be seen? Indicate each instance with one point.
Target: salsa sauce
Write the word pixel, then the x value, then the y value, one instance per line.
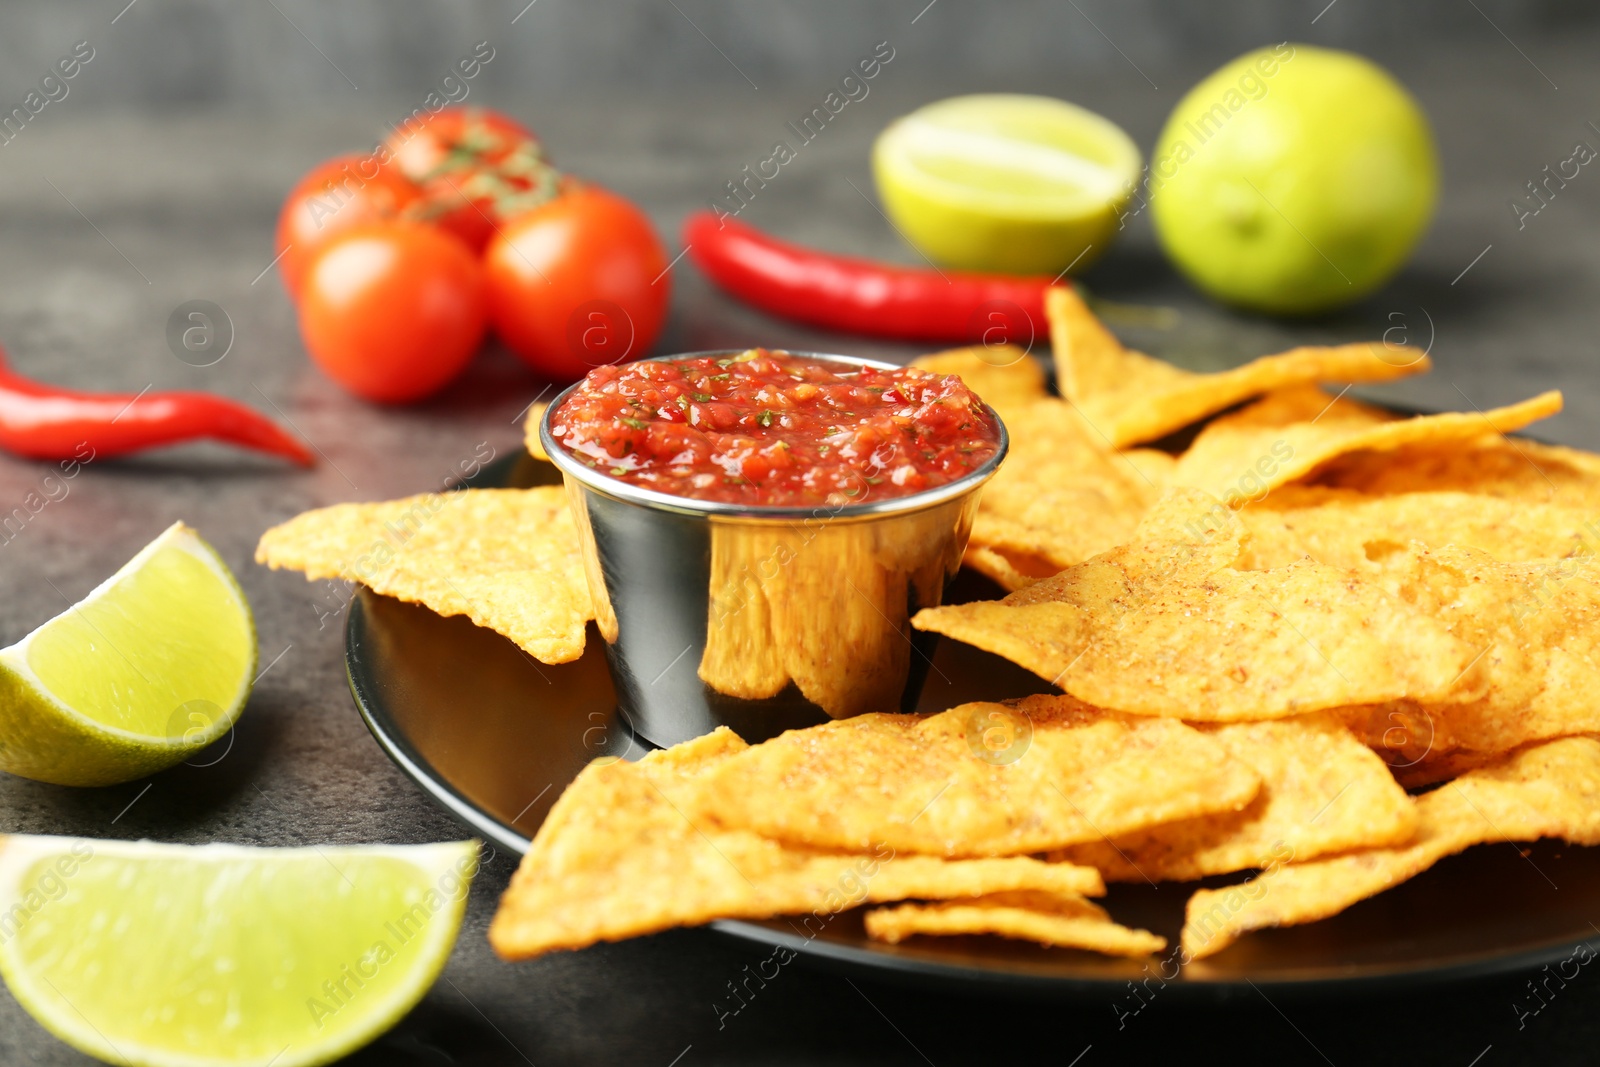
pixel 767 428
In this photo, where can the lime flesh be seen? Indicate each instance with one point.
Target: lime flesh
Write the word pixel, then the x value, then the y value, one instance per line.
pixel 1005 183
pixel 153 665
pixel 145 953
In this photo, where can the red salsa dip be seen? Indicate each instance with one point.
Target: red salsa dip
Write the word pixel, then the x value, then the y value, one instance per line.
pixel 767 428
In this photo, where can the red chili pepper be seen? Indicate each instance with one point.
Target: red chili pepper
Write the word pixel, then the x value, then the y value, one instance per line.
pixel 42 421
pixel 862 296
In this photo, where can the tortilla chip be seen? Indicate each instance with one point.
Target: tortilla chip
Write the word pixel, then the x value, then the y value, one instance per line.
pixel 1206 394
pixel 1165 625
pixel 1549 790
pixel 1133 398
pixel 1347 529
pixel 1062 495
pixel 1322 791
pixel 1038 517
pixel 618 856
pixel 1004 376
pixel 1154 467
pixel 1044 532
pixel 508 559
pixel 694 757
pixel 530 430
pixel 1024 916
pixel 1289 434
pixel 1090 362
pixel 1060 773
pixel 1536 627
pixel 1007 568
pixel 1511 469
pixel 1431 768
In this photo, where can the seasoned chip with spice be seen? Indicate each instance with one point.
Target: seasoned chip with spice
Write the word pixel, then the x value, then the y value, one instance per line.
pixel 1166 625
pixel 1349 529
pixel 623 853
pixel 1535 627
pixel 1289 434
pixel 981 779
pixel 507 559
pixel 1132 398
pixel 1547 790
pixel 1509 468
pixel 1052 921
pixel 1061 496
pixel 1322 791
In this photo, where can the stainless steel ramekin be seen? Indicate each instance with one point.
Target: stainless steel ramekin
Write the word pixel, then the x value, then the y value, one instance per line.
pixel 763 619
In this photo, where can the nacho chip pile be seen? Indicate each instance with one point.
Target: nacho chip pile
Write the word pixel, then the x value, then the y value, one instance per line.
pixel 1319 641
pixel 1350 602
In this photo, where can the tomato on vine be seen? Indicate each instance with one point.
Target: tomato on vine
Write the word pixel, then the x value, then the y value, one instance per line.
pixel 399 260
pixel 476 169
pixel 393 310
pixel 577 282
pixel 344 192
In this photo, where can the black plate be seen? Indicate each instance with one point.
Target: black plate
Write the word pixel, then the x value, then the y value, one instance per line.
pixel 494 737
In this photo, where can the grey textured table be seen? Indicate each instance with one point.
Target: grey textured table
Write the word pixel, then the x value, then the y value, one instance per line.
pixel 109 220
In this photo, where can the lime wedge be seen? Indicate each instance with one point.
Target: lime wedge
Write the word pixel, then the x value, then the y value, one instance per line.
pixel 149 668
pixel 143 953
pixel 1006 183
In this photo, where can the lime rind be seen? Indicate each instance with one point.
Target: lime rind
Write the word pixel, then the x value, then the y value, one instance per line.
pixel 118 1031
pixel 48 738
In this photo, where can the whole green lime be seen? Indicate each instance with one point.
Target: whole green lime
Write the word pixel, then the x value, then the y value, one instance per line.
pixel 1293 180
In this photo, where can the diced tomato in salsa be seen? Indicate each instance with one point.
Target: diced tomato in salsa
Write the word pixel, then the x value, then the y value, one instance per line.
pixel 767 428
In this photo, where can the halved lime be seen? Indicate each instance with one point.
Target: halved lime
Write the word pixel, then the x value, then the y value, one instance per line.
pixel 152 666
pixel 1007 183
pixel 192 956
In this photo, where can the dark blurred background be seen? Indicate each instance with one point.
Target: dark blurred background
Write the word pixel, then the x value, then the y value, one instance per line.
pixel 291 53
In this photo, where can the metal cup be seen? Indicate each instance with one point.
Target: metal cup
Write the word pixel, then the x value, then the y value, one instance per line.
pixel 763 619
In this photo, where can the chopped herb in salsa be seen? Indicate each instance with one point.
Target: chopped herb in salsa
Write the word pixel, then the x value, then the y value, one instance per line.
pixel 767 428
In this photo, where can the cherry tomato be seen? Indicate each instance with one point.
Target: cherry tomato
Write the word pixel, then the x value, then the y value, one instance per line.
pixel 393 310
pixel 420 145
pixel 578 282
pixel 345 191
pixel 470 161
